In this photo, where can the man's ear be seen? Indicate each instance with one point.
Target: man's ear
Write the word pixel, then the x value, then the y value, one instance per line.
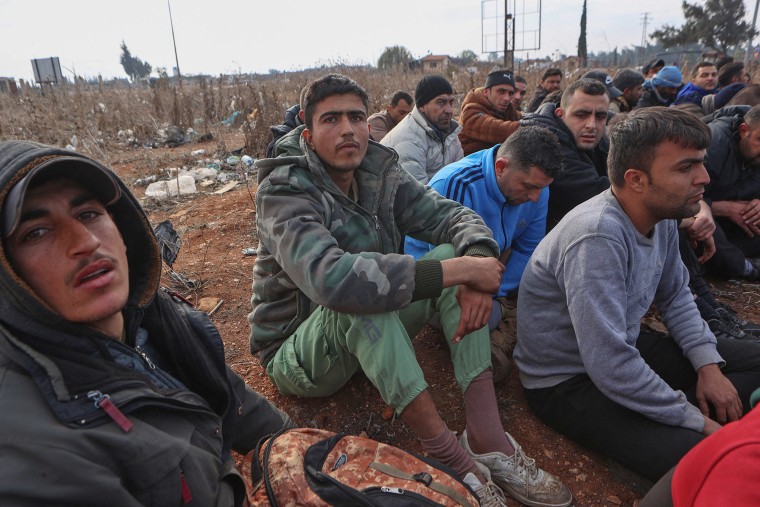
pixel 743 131
pixel 501 165
pixel 559 112
pixel 306 134
pixel 301 115
pixel 636 179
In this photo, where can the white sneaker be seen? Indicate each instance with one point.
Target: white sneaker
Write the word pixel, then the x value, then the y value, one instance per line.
pixel 520 478
pixel 489 494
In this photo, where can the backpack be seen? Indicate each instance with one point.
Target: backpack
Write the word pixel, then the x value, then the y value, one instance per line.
pixel 318 468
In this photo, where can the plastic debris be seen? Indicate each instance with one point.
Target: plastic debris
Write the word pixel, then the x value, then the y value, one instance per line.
pixel 248 161
pixel 249 252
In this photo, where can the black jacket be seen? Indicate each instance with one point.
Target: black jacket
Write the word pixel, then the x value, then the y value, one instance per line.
pixel 585 172
pixel 731 179
pixel 186 408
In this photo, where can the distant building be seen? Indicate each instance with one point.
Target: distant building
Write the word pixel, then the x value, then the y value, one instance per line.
pixel 8 85
pixel 431 63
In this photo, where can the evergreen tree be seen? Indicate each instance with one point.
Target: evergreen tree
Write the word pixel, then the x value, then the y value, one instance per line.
pixel 134 67
pixel 582 53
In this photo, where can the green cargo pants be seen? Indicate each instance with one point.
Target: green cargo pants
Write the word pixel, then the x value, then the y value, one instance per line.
pixel 329 347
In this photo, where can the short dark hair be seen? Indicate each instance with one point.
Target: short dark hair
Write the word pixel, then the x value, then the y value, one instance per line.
pixel 401 95
pixel 327 86
pixel 749 96
pixel 587 86
pixel 752 117
pixel 627 78
pixel 699 65
pixel 728 72
pixel 533 146
pixel 520 79
pixel 551 71
pixel 634 138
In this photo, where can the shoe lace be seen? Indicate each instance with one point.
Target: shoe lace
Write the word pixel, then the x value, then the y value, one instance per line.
pixel 727 327
pixel 731 317
pixel 522 461
pixel 490 495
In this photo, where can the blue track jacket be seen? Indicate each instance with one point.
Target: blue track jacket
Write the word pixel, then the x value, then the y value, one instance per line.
pixel 471 181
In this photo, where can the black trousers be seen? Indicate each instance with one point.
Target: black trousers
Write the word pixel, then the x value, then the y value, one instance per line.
pixel 579 410
pixel 732 247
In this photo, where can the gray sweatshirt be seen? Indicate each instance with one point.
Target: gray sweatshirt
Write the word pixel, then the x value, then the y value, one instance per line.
pixel 582 297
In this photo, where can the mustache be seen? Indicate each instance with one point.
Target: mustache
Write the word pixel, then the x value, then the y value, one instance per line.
pixel 71 276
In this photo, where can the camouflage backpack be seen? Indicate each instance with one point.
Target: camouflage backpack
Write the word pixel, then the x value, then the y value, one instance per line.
pixel 318 468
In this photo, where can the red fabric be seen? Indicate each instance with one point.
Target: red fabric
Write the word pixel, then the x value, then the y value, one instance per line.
pixel 723 469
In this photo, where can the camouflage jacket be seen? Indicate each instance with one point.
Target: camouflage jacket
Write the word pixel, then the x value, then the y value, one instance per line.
pixel 319 248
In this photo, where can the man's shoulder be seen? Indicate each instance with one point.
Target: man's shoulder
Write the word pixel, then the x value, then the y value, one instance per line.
pixel 381 116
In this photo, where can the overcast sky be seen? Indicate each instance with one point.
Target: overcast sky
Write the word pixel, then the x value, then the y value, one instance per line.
pixel 226 36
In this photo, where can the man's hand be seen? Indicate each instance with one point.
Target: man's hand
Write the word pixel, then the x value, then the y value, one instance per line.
pixel 703 226
pixel 751 213
pixel 476 309
pixel 710 426
pixel 708 250
pixel 713 388
pixel 700 229
pixel 735 211
pixel 482 274
pixel 478 278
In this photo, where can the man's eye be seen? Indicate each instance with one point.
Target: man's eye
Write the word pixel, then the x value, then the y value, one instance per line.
pixel 33 234
pixel 89 215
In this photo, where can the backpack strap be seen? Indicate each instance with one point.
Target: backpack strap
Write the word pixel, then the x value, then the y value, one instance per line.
pixel 426 479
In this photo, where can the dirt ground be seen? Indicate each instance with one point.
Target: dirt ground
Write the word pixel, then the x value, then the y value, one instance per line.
pixel 214 230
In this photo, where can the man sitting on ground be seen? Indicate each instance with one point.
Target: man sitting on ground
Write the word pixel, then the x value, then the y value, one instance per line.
pixel 704 79
pixel 551 80
pixel 580 123
pixel 384 121
pixel 642 398
pixel 506 186
pixel 112 390
pixel 520 89
pixel 488 115
pixel 427 138
pixel 331 295
pixel 662 89
pixel 732 161
pixel 631 83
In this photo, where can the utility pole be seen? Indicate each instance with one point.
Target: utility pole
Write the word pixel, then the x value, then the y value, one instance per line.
pixel 749 41
pixel 176 58
pixel 645 17
pixel 509 53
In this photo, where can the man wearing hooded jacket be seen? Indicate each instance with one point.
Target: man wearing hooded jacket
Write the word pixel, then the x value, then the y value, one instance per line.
pixel 111 390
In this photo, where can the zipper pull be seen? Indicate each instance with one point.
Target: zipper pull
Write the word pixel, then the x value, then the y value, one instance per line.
pixel 187 495
pixel 103 401
pixel 377 222
pixel 145 357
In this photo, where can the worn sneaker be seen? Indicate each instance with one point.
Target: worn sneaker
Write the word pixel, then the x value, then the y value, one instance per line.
pixel 489 494
pixel 728 314
pixel 723 328
pixel 520 478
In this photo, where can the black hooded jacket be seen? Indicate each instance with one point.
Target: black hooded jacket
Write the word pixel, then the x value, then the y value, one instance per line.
pixel 585 172
pixel 61 442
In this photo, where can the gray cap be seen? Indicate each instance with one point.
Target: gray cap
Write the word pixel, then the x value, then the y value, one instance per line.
pixel 93 176
pixel 605 78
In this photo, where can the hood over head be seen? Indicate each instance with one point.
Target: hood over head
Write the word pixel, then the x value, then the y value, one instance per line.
pixel 21 162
